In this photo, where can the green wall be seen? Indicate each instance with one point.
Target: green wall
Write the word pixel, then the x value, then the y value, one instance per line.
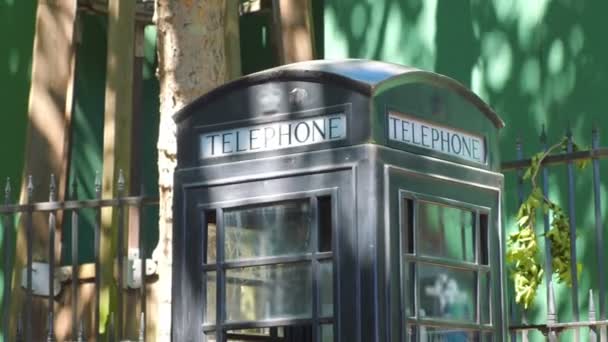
pixel 17 22
pixel 535 62
pixel 86 156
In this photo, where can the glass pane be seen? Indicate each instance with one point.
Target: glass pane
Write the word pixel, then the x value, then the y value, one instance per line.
pixel 210 336
pixel 327 333
pixel 325 231
pixel 447 293
pixel 483 238
pixel 411 332
pixel 409 289
pixel 326 295
pixel 407 226
pixel 270 230
pixel 432 334
pixel 211 236
pixel 268 292
pixel 488 337
pixel 484 297
pixel 446 232
pixel 299 333
pixel 210 296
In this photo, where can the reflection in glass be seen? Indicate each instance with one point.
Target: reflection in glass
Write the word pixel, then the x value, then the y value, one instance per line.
pixel 446 232
pixel 209 217
pixel 447 293
pixel 327 333
pixel 268 292
pixel 326 295
pixel 325 231
pixel 432 334
pixel 409 289
pixel 210 297
pixel 484 297
pixel 269 230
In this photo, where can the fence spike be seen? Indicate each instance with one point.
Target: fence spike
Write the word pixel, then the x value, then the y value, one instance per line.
pixel 543 135
pixel 551 315
pixel 111 328
pixel 19 336
pixel 592 314
pixel 74 189
pixel 30 187
pixel 569 131
pixel 50 337
pixel 121 181
pixel 7 191
pixel 81 332
pixel 142 327
pixel 97 182
pixel 52 188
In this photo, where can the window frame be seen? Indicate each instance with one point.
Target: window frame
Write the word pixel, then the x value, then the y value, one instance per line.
pixel 314 258
pixel 415 258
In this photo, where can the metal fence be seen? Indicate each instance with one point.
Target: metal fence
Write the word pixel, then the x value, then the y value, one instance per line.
pixel 20 219
pixel 597 321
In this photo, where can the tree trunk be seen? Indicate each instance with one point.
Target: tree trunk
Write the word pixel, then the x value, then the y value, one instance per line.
pixel 198 49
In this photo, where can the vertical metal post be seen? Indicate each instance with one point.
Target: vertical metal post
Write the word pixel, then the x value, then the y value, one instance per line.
pixel 592 318
pixel 142 328
pixel 551 317
pixel 80 332
pixel 75 268
pixel 520 200
pixel 314 219
pixel 29 237
pixel 97 232
pixel 142 257
pixel 8 230
pixel 220 315
pixel 599 234
pixel 120 248
pixel 546 224
pixel 52 222
pixel 111 334
pixel 572 216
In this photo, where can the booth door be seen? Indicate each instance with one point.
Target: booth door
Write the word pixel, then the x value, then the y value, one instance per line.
pixel 269 257
pixel 447 236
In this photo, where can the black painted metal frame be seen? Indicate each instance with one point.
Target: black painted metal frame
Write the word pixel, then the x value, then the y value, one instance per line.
pixel 364 297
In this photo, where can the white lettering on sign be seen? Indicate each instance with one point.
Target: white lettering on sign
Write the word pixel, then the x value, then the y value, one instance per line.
pixel 273 136
pixel 411 131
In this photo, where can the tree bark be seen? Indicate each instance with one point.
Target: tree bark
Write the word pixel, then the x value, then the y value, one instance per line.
pixel 198 49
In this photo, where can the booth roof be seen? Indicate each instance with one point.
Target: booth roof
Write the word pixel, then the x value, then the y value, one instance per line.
pixel 359 74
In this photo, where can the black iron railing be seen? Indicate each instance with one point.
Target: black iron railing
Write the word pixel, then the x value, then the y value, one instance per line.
pixel 72 209
pixel 597 320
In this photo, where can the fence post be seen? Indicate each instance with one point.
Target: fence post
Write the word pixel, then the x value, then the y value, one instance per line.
pixel 599 233
pixel 520 200
pixel 29 237
pixel 8 233
pixel 572 216
pixel 592 318
pixel 52 222
pixel 552 316
pixel 75 268
pixel 97 231
pixel 546 223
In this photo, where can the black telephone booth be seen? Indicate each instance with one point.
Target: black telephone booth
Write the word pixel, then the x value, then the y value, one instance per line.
pixel 349 201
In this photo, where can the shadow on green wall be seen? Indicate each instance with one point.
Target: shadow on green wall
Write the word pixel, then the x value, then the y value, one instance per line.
pixel 537 63
pixel 17 22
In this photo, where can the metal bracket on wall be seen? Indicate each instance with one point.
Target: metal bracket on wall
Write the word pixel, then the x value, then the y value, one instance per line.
pixel 132 271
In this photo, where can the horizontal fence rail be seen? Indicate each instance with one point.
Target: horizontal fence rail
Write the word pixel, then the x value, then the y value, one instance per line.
pixel 597 321
pixel 19 218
